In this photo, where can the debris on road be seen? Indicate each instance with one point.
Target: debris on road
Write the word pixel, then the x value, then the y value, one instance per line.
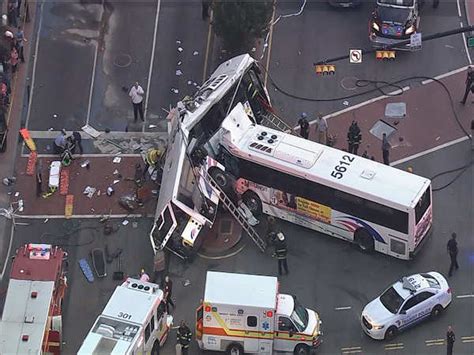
pixel 110 190
pixel 86 164
pixel 117 160
pixel 179 72
pixel 180 49
pixel 89 191
pixel 125 222
pixel 195 53
pixel 9 181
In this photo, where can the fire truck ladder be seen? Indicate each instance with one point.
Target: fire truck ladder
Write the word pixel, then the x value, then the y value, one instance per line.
pixel 273 121
pixel 234 210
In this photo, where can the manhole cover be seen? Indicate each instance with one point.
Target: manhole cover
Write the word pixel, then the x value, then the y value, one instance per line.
pixel 123 60
pixel 396 110
pixel 349 83
pixel 380 127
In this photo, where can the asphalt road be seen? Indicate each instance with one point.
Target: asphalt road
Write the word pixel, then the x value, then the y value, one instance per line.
pixel 325 32
pixel 89 52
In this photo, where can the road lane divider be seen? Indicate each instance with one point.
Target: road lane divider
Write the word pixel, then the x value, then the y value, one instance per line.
pixel 434 342
pixel 346 308
pixel 351 350
pixel 394 346
pixel 465 296
pixel 468 339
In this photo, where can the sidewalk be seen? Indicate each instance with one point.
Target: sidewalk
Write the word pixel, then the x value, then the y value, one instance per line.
pixel 430 121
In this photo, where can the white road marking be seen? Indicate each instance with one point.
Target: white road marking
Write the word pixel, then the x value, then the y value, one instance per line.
pixel 91 89
pixel 459 8
pixel 351 350
pixel 469 339
pixel 368 102
pixel 152 59
pixel 110 135
pixel 449 73
pixel 35 60
pixel 428 151
pixel 465 45
pixel 342 308
pixel 465 296
pixel 7 258
pixel 77 216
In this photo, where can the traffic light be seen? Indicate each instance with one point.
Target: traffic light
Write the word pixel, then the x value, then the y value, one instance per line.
pixel 325 69
pixel 385 55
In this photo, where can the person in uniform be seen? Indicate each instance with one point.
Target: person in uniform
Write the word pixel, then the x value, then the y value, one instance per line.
pixel 184 336
pixel 280 253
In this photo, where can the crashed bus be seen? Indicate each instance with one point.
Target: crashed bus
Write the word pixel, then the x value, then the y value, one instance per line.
pixel 185 210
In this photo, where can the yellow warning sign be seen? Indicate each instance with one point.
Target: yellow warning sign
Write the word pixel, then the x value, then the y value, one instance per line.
pixel 313 209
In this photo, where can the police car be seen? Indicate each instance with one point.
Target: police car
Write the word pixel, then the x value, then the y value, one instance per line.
pixel 405 303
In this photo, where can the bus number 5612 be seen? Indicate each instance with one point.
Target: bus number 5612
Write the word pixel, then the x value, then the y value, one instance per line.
pixel 340 169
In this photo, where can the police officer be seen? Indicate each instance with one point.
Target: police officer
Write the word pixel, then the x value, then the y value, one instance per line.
pixel 184 337
pixel 168 290
pixel 304 125
pixel 354 137
pixel 280 253
pixel 469 83
pixel 450 339
pixel 453 253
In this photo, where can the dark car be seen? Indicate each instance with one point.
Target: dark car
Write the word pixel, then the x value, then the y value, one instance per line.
pixel 344 3
pixel 392 22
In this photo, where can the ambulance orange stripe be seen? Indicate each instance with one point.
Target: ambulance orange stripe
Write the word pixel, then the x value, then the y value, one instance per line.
pixel 254 334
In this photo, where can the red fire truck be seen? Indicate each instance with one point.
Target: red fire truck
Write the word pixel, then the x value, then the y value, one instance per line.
pixel 31 320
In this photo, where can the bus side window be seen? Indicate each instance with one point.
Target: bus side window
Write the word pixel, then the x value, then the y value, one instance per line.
pixel 148 331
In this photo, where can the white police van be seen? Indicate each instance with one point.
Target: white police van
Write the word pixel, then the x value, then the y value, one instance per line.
pixel 405 303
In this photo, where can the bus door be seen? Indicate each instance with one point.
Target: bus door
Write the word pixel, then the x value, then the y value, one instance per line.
pixel 163 228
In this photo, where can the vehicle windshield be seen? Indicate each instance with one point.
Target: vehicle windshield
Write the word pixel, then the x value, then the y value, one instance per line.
pixel 396 2
pixel 391 300
pixel 299 316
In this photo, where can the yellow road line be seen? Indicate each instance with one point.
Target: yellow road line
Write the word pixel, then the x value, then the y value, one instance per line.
pixel 395 344
pixel 352 352
pixel 269 52
pixel 468 340
pixel 352 348
pixel 469 337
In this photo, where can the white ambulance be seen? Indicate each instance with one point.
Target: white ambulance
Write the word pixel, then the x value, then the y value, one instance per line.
pixel 246 313
pixel 134 321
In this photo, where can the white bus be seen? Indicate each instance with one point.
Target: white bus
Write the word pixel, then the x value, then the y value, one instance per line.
pixel 376 206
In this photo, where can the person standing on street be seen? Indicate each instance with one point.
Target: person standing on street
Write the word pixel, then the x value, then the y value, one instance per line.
pixel 385 149
pixel 168 290
pixel 453 253
pixel 184 336
pixel 20 39
pixel 136 93
pixel 304 125
pixel 321 125
pixel 39 180
pixel 450 339
pixel 354 137
pixel 280 253
pixel 469 84
pixel 60 143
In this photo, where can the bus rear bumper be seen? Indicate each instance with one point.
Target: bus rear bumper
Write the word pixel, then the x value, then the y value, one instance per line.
pixel 423 241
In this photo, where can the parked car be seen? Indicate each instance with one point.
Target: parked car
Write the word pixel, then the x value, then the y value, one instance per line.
pixel 394 21
pixel 404 304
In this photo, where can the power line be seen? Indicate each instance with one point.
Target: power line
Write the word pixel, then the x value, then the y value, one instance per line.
pixel 402 43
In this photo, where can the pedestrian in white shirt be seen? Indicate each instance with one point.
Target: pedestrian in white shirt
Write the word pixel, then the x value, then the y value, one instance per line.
pixel 136 93
pixel 321 126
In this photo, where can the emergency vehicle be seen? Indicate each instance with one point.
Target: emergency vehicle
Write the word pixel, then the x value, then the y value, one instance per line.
pixel 31 320
pixel 134 321
pixel 246 313
pixel 407 302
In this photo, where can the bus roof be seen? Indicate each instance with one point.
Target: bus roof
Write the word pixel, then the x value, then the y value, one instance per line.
pixel 313 161
pixel 241 290
pixel 118 328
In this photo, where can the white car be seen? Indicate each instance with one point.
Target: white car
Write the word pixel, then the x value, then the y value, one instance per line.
pixel 405 303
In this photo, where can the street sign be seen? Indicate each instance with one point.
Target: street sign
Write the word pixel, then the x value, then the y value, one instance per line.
pixel 415 41
pixel 355 55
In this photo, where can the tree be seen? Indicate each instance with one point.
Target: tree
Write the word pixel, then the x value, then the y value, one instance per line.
pixel 241 22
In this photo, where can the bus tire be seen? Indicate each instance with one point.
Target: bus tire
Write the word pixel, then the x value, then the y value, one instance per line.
pixel 253 202
pixel 220 177
pixel 302 349
pixel 364 240
pixel 235 349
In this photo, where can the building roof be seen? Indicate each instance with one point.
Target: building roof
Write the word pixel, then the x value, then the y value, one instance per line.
pixel 311 160
pixel 241 289
pixel 24 314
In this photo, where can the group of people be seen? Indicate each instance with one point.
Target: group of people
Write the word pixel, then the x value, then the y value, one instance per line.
pixel 320 128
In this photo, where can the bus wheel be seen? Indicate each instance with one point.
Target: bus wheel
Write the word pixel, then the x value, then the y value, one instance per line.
pixel 235 349
pixel 253 202
pixel 220 177
pixel 364 240
pixel 301 349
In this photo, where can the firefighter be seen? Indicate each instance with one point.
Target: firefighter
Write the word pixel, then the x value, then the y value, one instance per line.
pixel 280 253
pixel 152 158
pixel 354 138
pixel 184 336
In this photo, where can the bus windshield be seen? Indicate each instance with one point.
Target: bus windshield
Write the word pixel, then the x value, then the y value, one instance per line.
pixel 299 316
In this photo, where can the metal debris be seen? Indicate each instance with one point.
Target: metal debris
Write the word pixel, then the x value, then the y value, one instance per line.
pixel 195 53
pixel 117 160
pixel 180 49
